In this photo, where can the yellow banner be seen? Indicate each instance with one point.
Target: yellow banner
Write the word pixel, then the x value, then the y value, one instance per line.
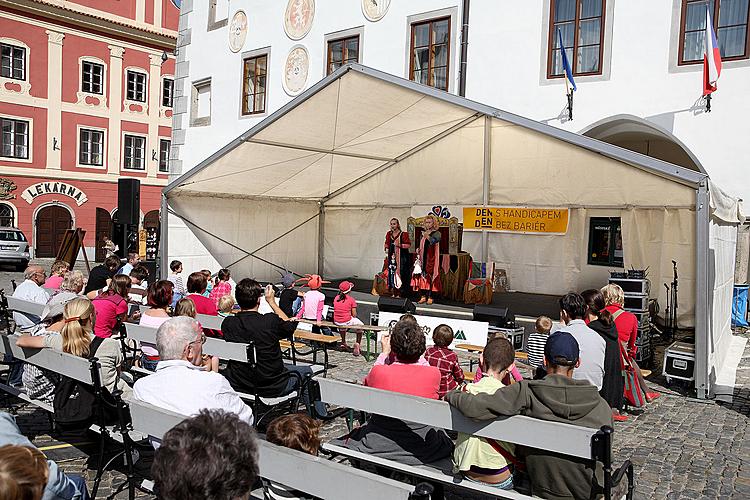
pixel 516 219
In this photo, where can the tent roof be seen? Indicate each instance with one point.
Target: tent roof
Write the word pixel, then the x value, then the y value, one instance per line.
pixel 357 122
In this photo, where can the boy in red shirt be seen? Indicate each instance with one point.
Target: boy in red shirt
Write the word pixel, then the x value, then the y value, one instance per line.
pixel 445 360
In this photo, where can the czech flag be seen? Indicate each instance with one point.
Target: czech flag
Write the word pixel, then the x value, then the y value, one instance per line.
pixel 566 64
pixel 711 58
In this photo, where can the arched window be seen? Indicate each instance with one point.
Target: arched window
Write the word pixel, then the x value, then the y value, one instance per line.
pixel 7 215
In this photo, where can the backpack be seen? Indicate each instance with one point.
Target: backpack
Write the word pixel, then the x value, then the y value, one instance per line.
pixel 75 403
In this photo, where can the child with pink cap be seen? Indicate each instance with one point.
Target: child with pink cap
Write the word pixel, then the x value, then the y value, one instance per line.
pixel 345 314
pixel 313 301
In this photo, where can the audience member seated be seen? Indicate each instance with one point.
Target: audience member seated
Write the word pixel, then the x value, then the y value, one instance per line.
pixel 387 356
pixel 26 474
pixel 226 305
pixel 264 330
pixel 445 360
pixel 76 337
pixel 480 459
pixel 627 330
pixel 298 432
pixel 38 382
pixel 209 282
pixel 138 285
pixel 535 345
pixel 289 299
pixel 111 306
pixel 100 276
pixel 406 442
pixel 222 287
pixel 73 282
pixel 559 398
pixel 313 302
pixel 56 274
pixel 213 456
pixel 182 383
pixel 572 312
pixel 175 269
pixel 130 264
pixel 345 314
pixel 196 285
pixel 159 298
pixel 32 291
pixel 600 320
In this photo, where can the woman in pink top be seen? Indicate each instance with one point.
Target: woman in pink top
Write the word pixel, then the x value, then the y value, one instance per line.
pixel 196 285
pixel 111 306
pixel 222 286
pixel 405 442
pixel 57 273
pixel 345 314
pixel 160 296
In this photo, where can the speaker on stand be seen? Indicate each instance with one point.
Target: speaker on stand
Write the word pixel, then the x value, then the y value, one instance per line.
pixel 498 316
pixel 128 214
pixel 396 305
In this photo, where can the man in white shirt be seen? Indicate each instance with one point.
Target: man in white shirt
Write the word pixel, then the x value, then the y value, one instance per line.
pixel 133 260
pixel 180 384
pixel 31 290
pixel 592 346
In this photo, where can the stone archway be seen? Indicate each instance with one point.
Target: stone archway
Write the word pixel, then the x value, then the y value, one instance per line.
pixel 639 135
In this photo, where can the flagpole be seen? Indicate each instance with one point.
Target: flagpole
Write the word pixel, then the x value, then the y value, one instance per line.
pixel 569 95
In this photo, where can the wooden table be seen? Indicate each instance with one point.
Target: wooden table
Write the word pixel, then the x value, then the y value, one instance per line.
pixel 317 341
pixel 368 329
pixel 519 355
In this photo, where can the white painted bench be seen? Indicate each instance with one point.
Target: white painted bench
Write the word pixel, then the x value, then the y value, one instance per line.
pixel 313 475
pixel 566 439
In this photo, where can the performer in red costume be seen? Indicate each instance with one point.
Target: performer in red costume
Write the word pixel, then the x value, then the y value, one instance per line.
pixel 397 245
pixel 426 274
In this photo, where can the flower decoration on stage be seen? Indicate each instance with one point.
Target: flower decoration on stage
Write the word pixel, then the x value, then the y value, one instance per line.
pixel 441 212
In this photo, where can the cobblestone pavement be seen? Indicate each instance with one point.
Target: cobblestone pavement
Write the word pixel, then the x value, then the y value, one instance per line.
pixel 682 448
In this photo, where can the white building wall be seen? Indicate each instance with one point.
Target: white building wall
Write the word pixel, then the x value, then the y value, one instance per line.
pixel 507 60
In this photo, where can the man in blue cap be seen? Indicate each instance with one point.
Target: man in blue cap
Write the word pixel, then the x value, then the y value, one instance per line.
pixel 558 398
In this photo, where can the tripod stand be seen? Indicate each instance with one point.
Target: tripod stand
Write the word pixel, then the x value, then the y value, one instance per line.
pixel 670 313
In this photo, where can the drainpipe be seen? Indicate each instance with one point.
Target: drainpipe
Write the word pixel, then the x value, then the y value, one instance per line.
pixel 464 48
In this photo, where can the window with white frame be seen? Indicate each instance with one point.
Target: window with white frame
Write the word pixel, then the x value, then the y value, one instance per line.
pixel 136 86
pixel 135 152
pixel 92 77
pixel 167 92
pixel 14 138
pixel 200 105
pixel 91 147
pixel 12 61
pixel 164 145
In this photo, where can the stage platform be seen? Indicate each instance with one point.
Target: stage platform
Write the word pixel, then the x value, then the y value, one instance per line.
pixel 525 306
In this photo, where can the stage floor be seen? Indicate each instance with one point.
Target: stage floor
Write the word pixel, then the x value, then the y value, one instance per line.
pixel 528 305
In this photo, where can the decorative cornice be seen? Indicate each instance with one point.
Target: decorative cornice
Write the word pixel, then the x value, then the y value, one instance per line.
pixel 55 37
pixel 116 51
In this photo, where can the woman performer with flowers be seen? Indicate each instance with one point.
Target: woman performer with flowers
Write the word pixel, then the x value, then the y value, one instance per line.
pixel 426 274
pixel 397 245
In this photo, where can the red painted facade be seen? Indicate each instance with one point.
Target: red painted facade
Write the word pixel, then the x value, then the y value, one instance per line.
pixel 51 100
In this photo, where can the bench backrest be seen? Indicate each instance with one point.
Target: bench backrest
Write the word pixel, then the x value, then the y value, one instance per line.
pixel 233 351
pixel 25 306
pixel 57 361
pixel 552 436
pixel 315 476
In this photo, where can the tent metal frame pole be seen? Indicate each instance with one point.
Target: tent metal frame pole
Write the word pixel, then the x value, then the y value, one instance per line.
pixel 321 236
pixel 702 293
pixel 317 150
pixel 486 180
pixel 404 156
pixel 163 237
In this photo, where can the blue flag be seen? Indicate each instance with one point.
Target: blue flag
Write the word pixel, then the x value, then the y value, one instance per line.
pixel 566 64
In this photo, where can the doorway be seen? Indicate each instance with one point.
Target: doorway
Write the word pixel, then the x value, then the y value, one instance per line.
pixel 51 223
pixel 103 230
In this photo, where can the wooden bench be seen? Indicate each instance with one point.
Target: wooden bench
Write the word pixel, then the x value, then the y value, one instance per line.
pixel 313 475
pixel 318 342
pixel 86 372
pixel 566 439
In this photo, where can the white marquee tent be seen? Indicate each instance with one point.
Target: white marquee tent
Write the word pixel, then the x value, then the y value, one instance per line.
pixel 312 188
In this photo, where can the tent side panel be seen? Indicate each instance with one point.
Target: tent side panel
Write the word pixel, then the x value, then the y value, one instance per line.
pixel 230 228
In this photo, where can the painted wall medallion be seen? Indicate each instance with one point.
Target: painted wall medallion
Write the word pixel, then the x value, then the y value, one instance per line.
pixel 375 10
pixel 237 31
pixel 298 18
pixel 296 70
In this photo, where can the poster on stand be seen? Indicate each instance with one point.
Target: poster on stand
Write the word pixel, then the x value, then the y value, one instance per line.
pixel 464 331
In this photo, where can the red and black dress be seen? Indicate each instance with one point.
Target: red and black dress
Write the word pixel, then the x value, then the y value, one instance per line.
pixel 429 256
pixel 398 250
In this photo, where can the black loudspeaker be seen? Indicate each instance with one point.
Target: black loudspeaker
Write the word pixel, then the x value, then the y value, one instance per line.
pixel 500 317
pixel 396 305
pixel 128 201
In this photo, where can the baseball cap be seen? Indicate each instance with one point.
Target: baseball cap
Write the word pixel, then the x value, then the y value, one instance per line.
pixel 287 279
pixel 561 349
pixel 345 286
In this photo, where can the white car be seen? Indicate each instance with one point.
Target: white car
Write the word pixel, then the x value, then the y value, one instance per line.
pixel 14 247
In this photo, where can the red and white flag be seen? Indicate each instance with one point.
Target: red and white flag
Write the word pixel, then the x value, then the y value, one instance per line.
pixel 711 58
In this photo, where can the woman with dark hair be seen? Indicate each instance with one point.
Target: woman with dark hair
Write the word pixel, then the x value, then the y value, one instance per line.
pixel 159 298
pixel 600 320
pixel 396 246
pixel 406 442
pixel 196 286
pixel 222 286
pixel 111 306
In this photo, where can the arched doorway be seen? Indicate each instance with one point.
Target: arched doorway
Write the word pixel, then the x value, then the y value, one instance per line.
pixel 7 215
pixel 103 230
pixel 639 135
pixel 151 219
pixel 51 223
